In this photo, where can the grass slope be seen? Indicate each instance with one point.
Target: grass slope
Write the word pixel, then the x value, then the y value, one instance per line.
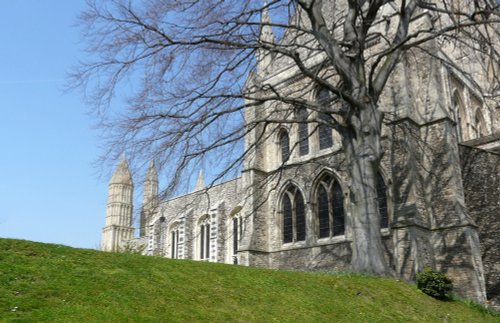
pixel 53 283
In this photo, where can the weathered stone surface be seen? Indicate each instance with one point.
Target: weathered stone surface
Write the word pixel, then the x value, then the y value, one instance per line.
pixel 481 182
pixel 435 194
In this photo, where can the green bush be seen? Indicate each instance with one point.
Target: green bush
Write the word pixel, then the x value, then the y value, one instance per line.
pixel 434 284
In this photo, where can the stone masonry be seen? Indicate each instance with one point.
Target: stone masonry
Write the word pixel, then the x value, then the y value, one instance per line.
pixel 439 183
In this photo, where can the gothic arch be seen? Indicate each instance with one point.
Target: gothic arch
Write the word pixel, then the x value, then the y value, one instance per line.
pixel 283 144
pixel 235 210
pixel 202 238
pixel 460 114
pixel 479 125
pixel 329 204
pixel 318 177
pixel 235 225
pixel 173 240
pixel 292 214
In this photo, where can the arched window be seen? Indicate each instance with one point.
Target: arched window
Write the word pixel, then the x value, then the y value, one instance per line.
pixel 237 230
pixel 204 239
pixel 458 111
pixel 303 131
pixel 382 202
pixel 300 217
pixel 174 244
pixel 338 209
pixel 479 126
pixel 284 145
pixel 330 208
pixel 324 98
pixel 294 216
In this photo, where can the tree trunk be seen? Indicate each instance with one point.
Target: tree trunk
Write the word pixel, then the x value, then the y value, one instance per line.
pixel 363 152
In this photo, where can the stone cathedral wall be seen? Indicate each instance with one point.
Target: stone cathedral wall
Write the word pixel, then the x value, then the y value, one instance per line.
pixel 480 170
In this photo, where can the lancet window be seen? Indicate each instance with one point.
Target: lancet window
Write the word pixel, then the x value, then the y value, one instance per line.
pixel 324 98
pixel 458 110
pixel 382 202
pixel 294 217
pixel 174 243
pixel 204 239
pixel 479 126
pixel 237 231
pixel 303 131
pixel 284 141
pixel 330 207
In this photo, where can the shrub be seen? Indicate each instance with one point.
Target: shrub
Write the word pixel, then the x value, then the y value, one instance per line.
pixel 434 284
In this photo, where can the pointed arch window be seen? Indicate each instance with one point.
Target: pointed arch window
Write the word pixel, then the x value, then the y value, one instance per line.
pixel 174 244
pixel 458 110
pixel 382 202
pixel 324 98
pixel 330 208
pixel 294 217
pixel 237 231
pixel 284 141
pixel 303 131
pixel 204 239
pixel 479 126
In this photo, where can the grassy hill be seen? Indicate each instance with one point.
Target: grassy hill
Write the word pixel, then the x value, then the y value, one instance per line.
pixel 53 283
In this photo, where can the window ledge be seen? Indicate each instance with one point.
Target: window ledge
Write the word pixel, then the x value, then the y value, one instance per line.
pixel 293 245
pixel 330 240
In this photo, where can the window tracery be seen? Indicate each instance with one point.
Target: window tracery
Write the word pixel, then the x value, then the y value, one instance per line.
pixel 330 208
pixel 294 217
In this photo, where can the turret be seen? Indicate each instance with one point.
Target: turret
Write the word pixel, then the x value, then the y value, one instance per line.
pixel 266 37
pixel 118 227
pixel 149 199
pixel 200 182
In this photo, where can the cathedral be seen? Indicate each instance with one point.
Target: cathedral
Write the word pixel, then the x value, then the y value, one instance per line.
pixel 438 185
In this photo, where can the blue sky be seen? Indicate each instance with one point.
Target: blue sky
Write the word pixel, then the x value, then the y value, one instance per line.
pixel 48 188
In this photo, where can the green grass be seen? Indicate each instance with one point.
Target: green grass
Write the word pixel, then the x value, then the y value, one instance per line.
pixel 53 283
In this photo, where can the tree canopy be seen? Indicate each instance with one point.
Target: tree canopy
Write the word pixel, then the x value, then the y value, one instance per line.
pixel 190 70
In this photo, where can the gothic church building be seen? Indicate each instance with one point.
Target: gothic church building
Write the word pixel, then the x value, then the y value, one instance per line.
pixel 438 185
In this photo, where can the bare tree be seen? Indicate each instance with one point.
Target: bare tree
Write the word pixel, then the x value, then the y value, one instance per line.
pixel 188 68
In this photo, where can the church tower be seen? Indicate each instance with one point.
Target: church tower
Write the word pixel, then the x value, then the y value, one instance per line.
pixel 266 37
pixel 118 227
pixel 149 199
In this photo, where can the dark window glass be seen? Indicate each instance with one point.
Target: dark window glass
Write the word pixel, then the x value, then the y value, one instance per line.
pixel 300 217
pixel 338 210
pixel 202 241
pixel 172 254
pixel 324 97
pixel 303 132
pixel 325 131
pixel 458 112
pixel 235 235
pixel 323 213
pixel 176 243
pixel 285 146
pixel 207 242
pixel 240 221
pixel 287 219
pixel 382 202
